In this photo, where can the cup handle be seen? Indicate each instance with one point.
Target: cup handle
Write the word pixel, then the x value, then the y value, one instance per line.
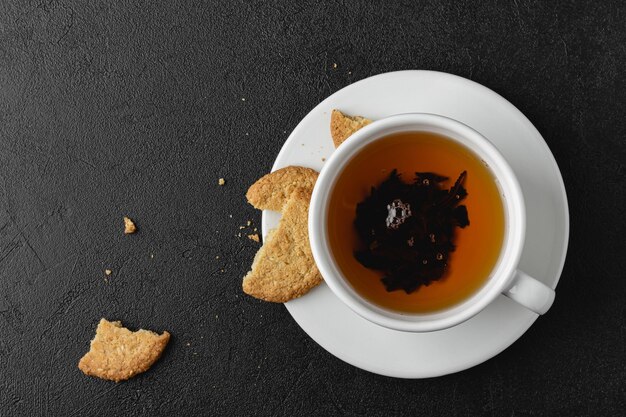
pixel 532 294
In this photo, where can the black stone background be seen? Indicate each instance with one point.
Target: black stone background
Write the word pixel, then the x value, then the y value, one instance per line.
pixel 112 108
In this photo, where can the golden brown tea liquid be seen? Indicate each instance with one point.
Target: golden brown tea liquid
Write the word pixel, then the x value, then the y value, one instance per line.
pixel 477 245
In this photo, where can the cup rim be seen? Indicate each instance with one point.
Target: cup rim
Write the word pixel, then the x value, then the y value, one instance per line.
pixel 502 273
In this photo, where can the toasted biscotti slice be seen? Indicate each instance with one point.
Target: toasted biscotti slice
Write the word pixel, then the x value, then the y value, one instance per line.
pixel 284 269
pixel 342 126
pixel 118 354
pixel 271 191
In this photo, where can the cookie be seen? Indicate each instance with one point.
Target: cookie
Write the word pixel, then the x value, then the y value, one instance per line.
pixel 271 191
pixel 118 354
pixel 284 269
pixel 342 126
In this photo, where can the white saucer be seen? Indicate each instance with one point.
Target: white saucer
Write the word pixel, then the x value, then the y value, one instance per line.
pixel 421 355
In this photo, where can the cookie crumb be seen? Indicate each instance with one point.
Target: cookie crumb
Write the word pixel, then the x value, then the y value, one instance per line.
pixel 334 65
pixel 243 99
pixel 107 272
pixel 129 226
pixel 221 181
pixel 254 237
pixel 217 257
pixel 323 159
pixel 248 223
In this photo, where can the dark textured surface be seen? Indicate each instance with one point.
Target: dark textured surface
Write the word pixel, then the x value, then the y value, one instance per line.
pixel 112 110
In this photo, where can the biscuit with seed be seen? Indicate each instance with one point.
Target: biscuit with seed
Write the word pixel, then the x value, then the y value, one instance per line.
pixel 271 191
pixel 118 354
pixel 342 126
pixel 284 269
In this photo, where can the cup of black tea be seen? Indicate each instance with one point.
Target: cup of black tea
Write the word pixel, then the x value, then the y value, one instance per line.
pixel 417 223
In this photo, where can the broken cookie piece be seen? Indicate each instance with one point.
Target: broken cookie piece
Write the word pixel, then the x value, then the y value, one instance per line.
pixel 129 226
pixel 118 354
pixel 271 191
pixel 284 269
pixel 343 126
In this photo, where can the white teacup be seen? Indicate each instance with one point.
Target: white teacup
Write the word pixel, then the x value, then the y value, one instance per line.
pixel 505 278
